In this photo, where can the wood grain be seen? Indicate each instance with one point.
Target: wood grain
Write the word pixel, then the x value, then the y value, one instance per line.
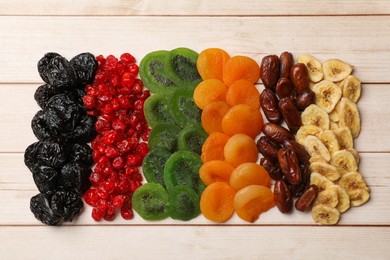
pixel 197 8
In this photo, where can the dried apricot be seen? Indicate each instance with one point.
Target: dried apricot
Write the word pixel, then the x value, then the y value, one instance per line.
pixel 243 91
pixel 242 119
pixel 240 148
pixel 213 147
pixel 210 63
pixel 253 200
pixel 208 91
pixel 217 202
pixel 215 171
pixel 240 67
pixel 212 115
pixel 249 173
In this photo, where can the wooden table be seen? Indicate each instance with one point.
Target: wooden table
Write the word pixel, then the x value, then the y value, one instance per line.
pixel 355 31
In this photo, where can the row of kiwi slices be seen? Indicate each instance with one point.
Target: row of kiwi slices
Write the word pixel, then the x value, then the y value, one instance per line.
pixel 171 167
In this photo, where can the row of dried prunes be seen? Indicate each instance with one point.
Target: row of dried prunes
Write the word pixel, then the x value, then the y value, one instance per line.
pixel 61 160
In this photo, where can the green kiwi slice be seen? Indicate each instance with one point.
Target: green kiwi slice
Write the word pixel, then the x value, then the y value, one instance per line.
pixel 156 110
pixel 180 67
pixel 150 201
pixel 191 138
pixel 164 135
pixel 153 165
pixel 183 108
pixel 182 168
pixel 153 74
pixel 183 203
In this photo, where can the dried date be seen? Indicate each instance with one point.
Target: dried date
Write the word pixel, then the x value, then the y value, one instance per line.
pixel 299 77
pixel 269 104
pixel 282 195
pixel 269 71
pixel 289 164
pixel 305 201
pixel 290 114
pixel 268 147
pixel 284 88
pixel 300 151
pixel 277 132
pixel 272 167
pixel 305 99
pixel 286 62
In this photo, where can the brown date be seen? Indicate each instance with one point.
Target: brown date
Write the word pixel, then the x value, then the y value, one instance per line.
pixel 269 71
pixel 299 77
pixel 277 132
pixel 284 88
pixel 269 104
pixel 300 151
pixel 289 164
pixel 298 189
pixel 286 62
pixel 272 167
pixel 305 99
pixel 290 114
pixel 307 198
pixel 282 196
pixel 268 147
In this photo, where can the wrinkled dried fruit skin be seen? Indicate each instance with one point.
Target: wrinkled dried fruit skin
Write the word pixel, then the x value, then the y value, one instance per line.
pixel 74 175
pixel 53 153
pixel 302 154
pixel 41 208
pixel 44 93
pixel 81 152
pixel 66 204
pixel 305 99
pixel 289 164
pixel 298 189
pixel 268 147
pixel 285 88
pixel 85 131
pixel 282 195
pixel 39 126
pixel 269 71
pixel 56 70
pixel 286 62
pixel 299 77
pixel 85 66
pixel 272 167
pixel 307 198
pixel 290 114
pixel 277 132
pixel 269 104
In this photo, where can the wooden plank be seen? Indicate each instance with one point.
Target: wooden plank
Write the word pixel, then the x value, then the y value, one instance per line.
pixel 195 242
pixel 18 108
pixel 17 186
pixel 188 7
pixel 361 42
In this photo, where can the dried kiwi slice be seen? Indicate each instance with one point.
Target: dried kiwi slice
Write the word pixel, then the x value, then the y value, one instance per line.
pixel 156 110
pixel 153 165
pixel 180 67
pixel 182 168
pixel 191 138
pixel 164 135
pixel 183 108
pixel 150 201
pixel 183 203
pixel 153 74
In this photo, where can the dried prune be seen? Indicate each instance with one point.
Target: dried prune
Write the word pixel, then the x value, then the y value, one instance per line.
pixel 85 131
pixel 81 152
pixel 56 70
pixel 44 93
pixel 85 66
pixel 53 153
pixel 45 177
pixel 40 207
pixel 75 175
pixel 30 155
pixel 66 204
pixel 39 126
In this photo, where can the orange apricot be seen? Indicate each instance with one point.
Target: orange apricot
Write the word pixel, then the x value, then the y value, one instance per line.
pixel 212 115
pixel 213 147
pixel 242 119
pixel 249 173
pixel 210 63
pixel 240 67
pixel 253 200
pixel 208 91
pixel 217 202
pixel 215 171
pixel 243 91
pixel 240 148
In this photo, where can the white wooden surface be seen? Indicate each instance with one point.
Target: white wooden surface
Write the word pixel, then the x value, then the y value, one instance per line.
pixel 356 31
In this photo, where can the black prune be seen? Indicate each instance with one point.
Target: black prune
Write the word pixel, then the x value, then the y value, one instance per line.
pixel 81 152
pixel 85 66
pixel 30 155
pixel 75 175
pixel 53 153
pixel 40 207
pixel 66 204
pixel 45 178
pixel 57 71
pixel 39 126
pixel 44 93
pixel 85 131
